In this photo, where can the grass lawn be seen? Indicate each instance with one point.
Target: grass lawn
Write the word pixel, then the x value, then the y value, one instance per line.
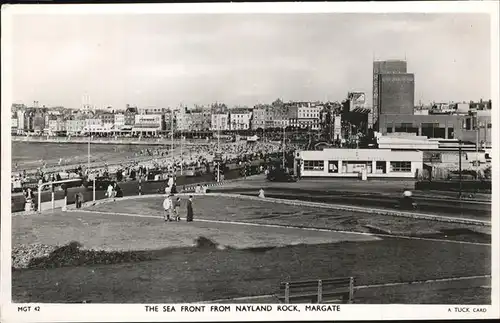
pixel 192 274
pixel 235 209
pixel 118 232
pixel 181 272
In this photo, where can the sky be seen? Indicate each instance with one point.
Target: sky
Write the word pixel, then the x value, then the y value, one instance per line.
pixel 165 60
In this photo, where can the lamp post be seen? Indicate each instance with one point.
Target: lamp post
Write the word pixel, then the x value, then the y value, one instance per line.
pixel 284 147
pixel 460 168
pixel 88 152
pixel 218 149
pixel 182 158
pixel 172 135
pixel 477 153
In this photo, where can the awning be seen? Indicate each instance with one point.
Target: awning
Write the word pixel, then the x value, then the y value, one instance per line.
pixel 480 157
pixel 145 129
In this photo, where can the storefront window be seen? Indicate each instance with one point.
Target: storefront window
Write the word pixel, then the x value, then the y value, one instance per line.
pixel 333 166
pixel 401 166
pixel 358 166
pixel 314 165
pixel 380 167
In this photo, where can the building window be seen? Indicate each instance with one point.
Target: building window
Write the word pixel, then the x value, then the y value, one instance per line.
pixel 401 166
pixel 356 166
pixel 333 166
pixel 389 129
pixel 450 133
pixel 314 165
pixel 380 167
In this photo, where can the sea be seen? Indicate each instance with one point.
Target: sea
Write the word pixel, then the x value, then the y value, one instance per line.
pixel 31 155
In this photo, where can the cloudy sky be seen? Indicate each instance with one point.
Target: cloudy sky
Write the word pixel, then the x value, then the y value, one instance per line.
pixel 164 60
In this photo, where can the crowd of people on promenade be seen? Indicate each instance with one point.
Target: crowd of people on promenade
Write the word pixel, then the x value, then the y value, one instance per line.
pixel 160 163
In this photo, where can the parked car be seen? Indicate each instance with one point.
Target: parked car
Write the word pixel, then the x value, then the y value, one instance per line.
pixel 192 171
pixel 279 175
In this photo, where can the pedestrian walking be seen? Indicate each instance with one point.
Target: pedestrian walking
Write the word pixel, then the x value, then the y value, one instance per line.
pixel 109 191
pixel 167 207
pixel 118 190
pixel 189 216
pixel 77 201
pixel 177 205
pixel 170 181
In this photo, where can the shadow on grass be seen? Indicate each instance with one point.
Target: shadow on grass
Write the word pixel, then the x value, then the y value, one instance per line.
pixel 204 272
pixel 72 255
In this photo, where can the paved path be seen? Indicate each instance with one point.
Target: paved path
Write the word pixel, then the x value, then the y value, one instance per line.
pixel 375 186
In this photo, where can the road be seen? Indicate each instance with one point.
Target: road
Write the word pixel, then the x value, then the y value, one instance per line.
pixel 379 194
pixel 129 188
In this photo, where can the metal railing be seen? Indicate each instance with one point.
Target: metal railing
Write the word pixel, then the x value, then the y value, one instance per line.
pixel 41 186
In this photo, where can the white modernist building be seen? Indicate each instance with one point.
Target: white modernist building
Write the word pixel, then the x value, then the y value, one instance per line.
pixel 379 163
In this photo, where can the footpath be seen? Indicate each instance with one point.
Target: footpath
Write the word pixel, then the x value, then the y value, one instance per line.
pixel 370 188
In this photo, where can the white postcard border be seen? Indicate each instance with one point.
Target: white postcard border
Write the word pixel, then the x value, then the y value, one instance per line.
pixel 136 312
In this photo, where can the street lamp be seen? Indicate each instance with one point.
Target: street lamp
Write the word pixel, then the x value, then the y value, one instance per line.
pixel 460 168
pixel 218 149
pixel 172 134
pixel 477 153
pixel 88 152
pixel 182 158
pixel 284 147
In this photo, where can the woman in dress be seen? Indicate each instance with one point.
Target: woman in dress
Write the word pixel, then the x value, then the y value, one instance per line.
pixel 189 217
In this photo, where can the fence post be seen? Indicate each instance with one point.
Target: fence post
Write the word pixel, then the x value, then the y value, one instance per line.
pixel 40 198
pixel 320 291
pixel 64 208
pixel 52 194
pixel 287 293
pixel 351 289
pixel 93 191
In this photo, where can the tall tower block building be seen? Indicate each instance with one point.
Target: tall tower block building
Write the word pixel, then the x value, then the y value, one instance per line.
pixel 393 88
